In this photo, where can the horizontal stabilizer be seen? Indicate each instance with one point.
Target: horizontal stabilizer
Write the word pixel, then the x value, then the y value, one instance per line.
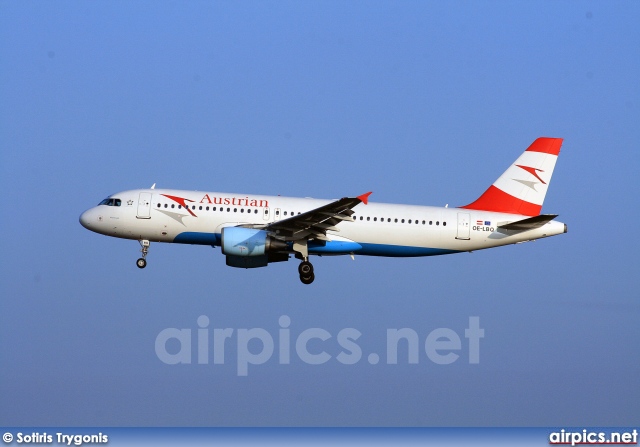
pixel 529 223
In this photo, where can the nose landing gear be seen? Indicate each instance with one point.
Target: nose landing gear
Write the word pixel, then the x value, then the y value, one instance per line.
pixel 142 262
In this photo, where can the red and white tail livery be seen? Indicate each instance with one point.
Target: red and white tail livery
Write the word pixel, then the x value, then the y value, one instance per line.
pixel 256 230
pixel 522 187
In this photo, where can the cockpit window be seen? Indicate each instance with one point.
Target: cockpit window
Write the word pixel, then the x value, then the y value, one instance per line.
pixel 111 202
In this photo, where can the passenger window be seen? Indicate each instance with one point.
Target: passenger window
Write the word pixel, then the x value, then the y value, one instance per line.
pixel 409 220
pixel 437 222
pixel 444 224
pixel 165 205
pixel 368 218
pixel 172 205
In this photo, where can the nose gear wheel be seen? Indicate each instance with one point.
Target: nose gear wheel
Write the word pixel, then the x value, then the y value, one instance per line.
pixel 142 262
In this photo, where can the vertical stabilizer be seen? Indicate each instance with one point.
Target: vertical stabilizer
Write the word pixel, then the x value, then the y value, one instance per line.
pixel 522 187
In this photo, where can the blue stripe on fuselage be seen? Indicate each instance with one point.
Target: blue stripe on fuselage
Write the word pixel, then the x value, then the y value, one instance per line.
pixel 400 250
pixel 192 237
pixel 335 247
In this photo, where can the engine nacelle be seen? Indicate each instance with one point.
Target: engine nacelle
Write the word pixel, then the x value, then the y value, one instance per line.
pixel 239 241
pixel 247 262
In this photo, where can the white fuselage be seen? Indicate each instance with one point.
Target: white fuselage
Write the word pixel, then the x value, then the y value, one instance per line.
pixel 379 229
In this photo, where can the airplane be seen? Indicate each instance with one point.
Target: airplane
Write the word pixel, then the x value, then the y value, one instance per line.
pixel 256 230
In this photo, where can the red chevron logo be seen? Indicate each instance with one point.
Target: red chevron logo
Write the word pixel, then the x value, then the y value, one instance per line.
pixel 181 201
pixel 533 172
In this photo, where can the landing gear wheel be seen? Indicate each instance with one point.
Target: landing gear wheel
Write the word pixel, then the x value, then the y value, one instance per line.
pixel 142 262
pixel 305 269
pixel 307 279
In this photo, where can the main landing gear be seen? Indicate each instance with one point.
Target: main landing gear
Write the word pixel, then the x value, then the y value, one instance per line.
pixel 305 268
pixel 306 272
pixel 142 262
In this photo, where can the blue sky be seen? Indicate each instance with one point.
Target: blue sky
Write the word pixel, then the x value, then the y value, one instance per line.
pixel 420 102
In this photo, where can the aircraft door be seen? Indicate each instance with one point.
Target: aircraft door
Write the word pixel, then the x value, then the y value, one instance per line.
pixel 265 213
pixel 144 206
pixel 464 226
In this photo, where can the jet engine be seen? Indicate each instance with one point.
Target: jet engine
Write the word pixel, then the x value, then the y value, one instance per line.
pixel 239 241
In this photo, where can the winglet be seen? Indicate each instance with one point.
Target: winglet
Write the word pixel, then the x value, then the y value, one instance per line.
pixel 364 198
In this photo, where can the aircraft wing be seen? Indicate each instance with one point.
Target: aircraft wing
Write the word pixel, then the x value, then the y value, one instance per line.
pixel 314 224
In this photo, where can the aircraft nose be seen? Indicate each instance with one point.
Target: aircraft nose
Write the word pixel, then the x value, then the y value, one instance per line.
pixel 85 219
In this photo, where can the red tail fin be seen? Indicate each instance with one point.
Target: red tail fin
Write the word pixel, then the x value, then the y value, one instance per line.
pixel 521 189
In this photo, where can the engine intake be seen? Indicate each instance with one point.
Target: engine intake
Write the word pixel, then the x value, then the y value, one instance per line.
pixel 239 241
